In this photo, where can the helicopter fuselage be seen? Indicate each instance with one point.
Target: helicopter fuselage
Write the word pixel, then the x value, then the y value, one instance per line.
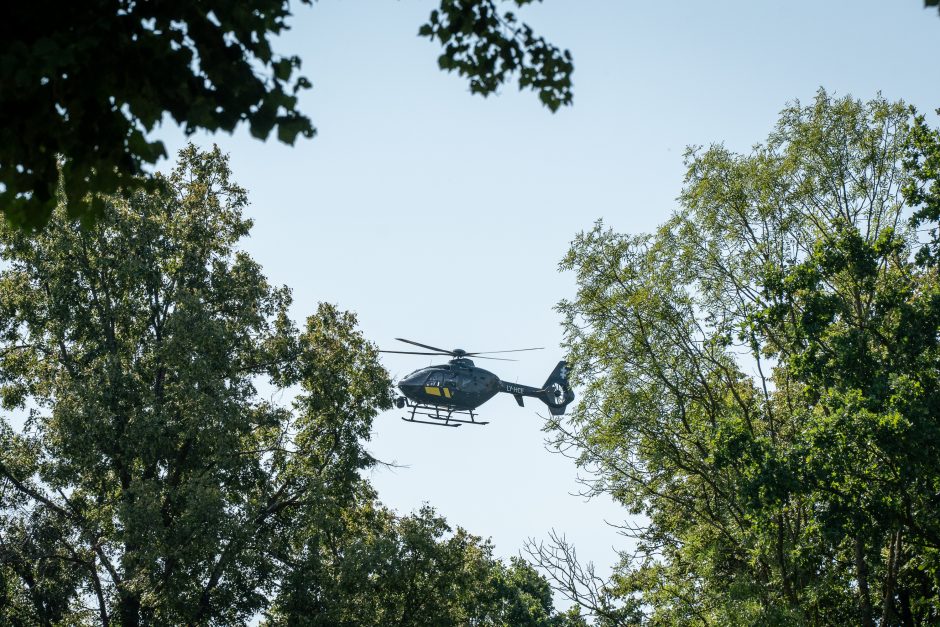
pixel 458 384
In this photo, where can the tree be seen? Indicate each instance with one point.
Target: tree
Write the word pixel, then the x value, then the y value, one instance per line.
pixel 153 478
pixel 581 584
pixel 761 382
pixel 85 84
pixel 412 571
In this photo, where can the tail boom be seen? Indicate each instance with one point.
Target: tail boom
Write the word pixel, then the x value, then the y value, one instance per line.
pixel 556 393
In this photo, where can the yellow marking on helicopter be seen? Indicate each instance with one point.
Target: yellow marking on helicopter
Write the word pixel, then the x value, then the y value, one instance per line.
pixel 433 391
pixel 447 392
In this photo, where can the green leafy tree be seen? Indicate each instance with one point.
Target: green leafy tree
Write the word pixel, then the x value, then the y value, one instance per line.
pixel 377 569
pixel 761 381
pixel 84 84
pixel 517 595
pixel 153 478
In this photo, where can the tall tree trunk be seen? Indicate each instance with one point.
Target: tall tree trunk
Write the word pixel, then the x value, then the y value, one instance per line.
pixel 894 550
pixel 907 616
pixel 129 609
pixel 861 568
pixel 782 565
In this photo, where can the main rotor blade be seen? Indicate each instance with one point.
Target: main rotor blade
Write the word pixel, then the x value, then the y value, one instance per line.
pixel 433 348
pixel 493 358
pixel 515 350
pixel 413 353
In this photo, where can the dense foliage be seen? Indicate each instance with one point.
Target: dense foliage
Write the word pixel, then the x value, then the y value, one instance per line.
pixel 761 383
pixel 85 83
pixel 154 484
pixel 410 572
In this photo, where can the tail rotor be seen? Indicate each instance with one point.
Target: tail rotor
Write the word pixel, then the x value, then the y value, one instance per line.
pixel 557 392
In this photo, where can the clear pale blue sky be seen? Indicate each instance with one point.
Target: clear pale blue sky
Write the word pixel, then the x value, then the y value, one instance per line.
pixel 440 216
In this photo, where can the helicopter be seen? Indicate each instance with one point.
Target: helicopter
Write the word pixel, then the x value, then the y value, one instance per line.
pixel 446 395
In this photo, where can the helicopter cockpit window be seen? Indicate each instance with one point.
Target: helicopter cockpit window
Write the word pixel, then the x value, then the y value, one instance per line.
pixel 434 380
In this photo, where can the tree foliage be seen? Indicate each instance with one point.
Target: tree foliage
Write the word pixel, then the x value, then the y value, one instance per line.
pixel 85 84
pixel 410 572
pixel 138 343
pixel 761 382
pixel 488 46
pixel 154 483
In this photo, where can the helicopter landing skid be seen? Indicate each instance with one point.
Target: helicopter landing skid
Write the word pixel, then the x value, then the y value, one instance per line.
pixel 442 416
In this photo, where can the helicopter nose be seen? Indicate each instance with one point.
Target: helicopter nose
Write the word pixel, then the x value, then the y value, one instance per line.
pixel 407 387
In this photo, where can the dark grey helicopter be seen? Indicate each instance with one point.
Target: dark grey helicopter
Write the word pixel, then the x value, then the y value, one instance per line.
pixel 448 393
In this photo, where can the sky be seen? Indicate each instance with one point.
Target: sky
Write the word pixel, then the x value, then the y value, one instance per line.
pixel 441 216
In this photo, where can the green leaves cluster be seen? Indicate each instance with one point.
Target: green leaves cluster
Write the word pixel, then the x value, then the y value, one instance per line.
pixel 156 483
pixel 488 46
pixel 922 190
pixel 84 85
pixel 409 571
pixel 761 380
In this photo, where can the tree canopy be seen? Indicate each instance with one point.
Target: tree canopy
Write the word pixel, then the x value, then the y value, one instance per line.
pixel 153 483
pixel 761 383
pixel 85 84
